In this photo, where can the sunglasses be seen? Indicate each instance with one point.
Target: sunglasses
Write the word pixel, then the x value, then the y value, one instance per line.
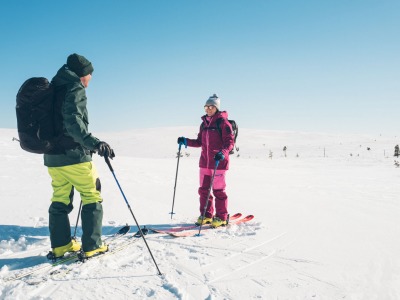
pixel 209 106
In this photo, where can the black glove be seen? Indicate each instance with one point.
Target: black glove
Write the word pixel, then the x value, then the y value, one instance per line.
pixel 104 149
pixel 219 156
pixel 182 141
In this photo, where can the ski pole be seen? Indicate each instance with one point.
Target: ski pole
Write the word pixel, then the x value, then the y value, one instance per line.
pixel 77 220
pixel 208 196
pixel 176 177
pixel 129 207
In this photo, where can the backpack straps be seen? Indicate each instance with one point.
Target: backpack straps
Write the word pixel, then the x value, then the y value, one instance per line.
pixel 235 130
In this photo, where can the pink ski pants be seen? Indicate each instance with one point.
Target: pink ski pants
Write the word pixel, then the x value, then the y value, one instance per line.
pixel 220 205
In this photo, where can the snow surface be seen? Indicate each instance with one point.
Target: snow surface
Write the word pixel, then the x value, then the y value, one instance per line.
pixel 326 220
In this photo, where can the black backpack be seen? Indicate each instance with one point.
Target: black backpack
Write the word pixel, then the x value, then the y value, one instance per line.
pixel 235 130
pixel 35 116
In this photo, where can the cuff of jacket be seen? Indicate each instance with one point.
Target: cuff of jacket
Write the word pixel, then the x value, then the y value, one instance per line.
pixel 90 142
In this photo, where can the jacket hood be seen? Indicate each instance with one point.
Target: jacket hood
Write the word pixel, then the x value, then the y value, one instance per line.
pixel 65 76
pixel 218 115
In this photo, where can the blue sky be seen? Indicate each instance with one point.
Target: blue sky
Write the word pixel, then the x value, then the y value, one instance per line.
pixel 328 66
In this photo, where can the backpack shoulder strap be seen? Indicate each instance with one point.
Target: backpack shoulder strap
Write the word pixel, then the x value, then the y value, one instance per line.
pixel 219 126
pixel 219 120
pixel 202 126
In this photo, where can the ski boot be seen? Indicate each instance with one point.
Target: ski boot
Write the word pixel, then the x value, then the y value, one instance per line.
pixel 217 222
pixel 201 221
pixel 83 256
pixel 59 252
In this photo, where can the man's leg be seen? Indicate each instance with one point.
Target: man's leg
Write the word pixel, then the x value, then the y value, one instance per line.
pixel 61 206
pixel 84 178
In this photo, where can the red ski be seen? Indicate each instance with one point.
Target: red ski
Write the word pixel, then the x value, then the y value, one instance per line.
pixel 188 227
pixel 193 232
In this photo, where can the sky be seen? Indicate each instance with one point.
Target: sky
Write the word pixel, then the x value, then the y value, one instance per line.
pixel 319 66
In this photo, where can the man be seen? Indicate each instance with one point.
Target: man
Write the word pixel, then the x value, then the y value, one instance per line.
pixel 74 168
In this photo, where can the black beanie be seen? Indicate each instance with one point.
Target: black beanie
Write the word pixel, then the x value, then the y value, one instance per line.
pixel 79 65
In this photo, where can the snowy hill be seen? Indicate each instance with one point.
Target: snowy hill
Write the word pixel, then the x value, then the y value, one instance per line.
pixel 326 220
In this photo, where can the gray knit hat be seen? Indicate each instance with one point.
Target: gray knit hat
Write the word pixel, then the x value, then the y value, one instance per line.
pixel 79 65
pixel 214 100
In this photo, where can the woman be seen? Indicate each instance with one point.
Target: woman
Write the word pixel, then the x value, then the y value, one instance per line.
pixel 216 140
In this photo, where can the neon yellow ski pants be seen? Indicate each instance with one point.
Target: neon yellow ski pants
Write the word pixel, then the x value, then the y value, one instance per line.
pixel 83 177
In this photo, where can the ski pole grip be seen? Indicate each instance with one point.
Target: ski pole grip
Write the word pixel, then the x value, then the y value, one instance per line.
pixel 108 163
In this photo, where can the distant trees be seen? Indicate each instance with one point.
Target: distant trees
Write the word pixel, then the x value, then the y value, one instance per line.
pixel 187 154
pixel 396 151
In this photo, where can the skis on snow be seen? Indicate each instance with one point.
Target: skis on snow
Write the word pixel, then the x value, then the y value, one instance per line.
pixel 190 230
pixel 116 245
pixel 73 257
pixel 194 232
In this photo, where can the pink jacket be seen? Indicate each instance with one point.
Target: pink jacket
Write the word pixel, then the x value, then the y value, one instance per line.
pixel 211 141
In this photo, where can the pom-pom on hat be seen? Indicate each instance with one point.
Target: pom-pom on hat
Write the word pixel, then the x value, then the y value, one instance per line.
pixel 214 100
pixel 79 65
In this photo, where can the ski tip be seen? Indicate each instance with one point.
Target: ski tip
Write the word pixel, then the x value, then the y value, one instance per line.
pixel 50 256
pixel 144 230
pixel 124 229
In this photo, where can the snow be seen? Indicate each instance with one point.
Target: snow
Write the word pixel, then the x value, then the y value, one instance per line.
pixel 325 227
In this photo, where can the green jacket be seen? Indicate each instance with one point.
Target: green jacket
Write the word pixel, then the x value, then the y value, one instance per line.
pixel 72 116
